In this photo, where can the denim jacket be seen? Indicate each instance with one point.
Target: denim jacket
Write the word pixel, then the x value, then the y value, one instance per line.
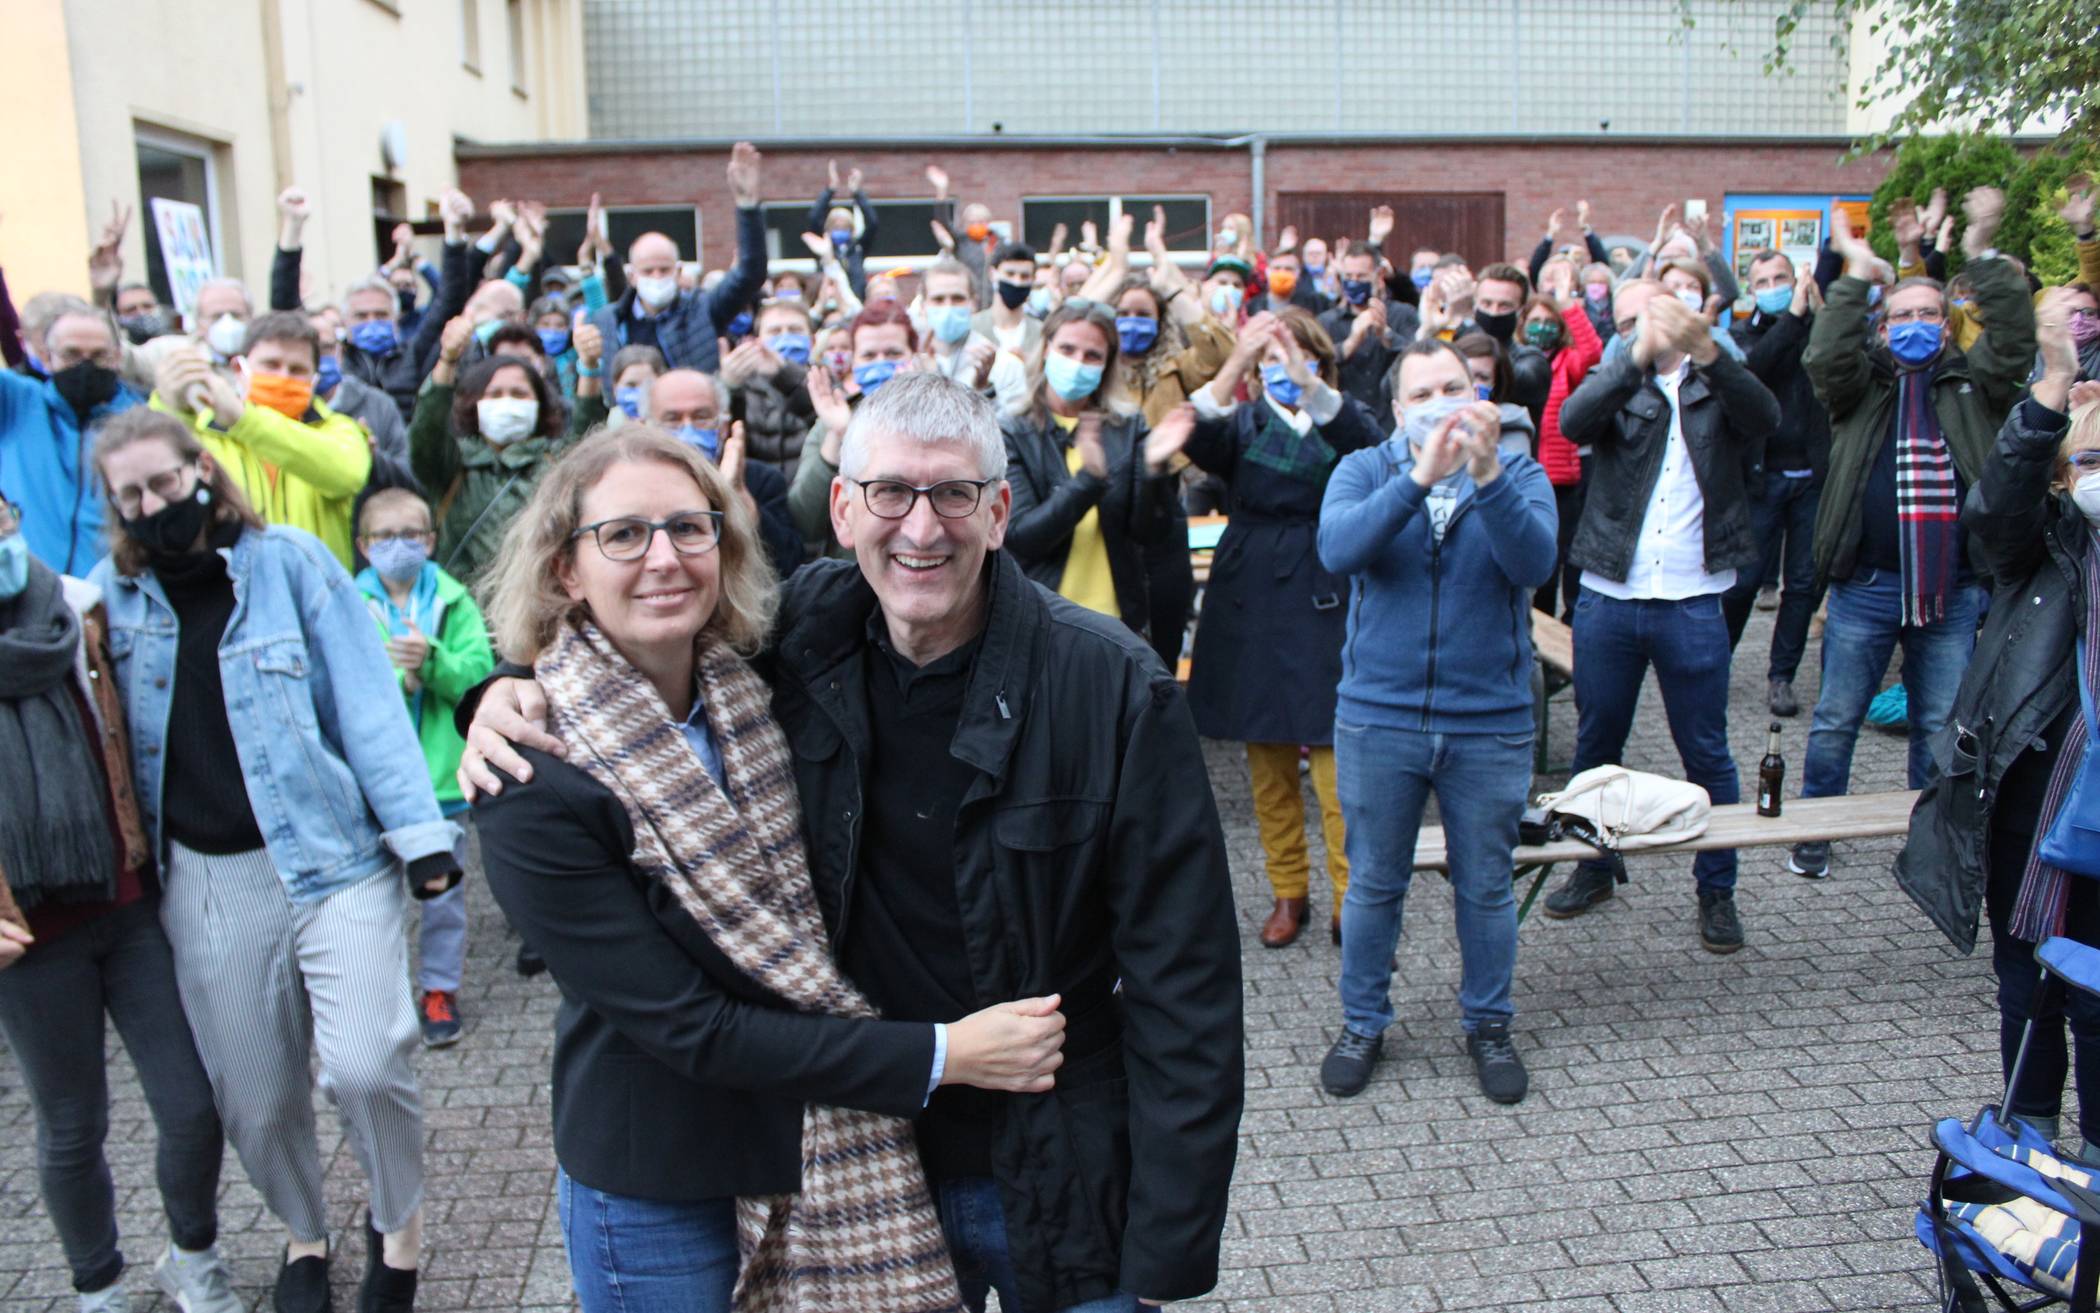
pixel 332 767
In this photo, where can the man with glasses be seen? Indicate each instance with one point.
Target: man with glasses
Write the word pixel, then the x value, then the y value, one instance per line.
pixel 1003 791
pixel 46 428
pixel 694 407
pixel 1912 420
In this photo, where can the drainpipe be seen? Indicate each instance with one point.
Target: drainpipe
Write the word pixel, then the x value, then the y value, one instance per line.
pixel 1258 155
pixel 277 92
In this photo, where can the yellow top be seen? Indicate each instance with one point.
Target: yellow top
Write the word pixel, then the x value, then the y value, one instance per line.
pixel 1087 579
pixel 304 475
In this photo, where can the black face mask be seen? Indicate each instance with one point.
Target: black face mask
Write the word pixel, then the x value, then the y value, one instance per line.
pixel 1500 327
pixel 144 327
pixel 1014 295
pixel 85 386
pixel 172 530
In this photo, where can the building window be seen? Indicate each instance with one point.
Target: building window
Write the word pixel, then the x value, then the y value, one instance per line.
pixel 622 225
pixel 179 191
pixel 470 35
pixel 1188 219
pixel 514 19
pixel 904 231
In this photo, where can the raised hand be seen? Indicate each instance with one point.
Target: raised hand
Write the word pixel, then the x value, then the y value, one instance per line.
pixel 743 172
pixel 594 232
pixel 2077 209
pixel 1086 436
pixel 2085 394
pixel 1858 256
pixel 1287 240
pixel 503 213
pixel 1696 228
pixel 1156 233
pixel 854 179
pixel 106 260
pixel 1556 221
pixel 1381 224
pixel 1984 208
pixel 938 177
pixel 1442 452
pixel 977 359
pixel 1478 434
pixel 830 406
pixel 2052 334
pixel 452 342
pixel 1294 362
pixel 293 203
pixel 1582 215
pixel 831 174
pixel 1169 437
pixel 1936 211
pixel 1119 229
pixel 731 463
pixel 819 246
pixel 1089 235
pixel 456 208
pixel 1906 227
pixel 1665 222
pixel 942 237
pixel 408 651
pixel 1057 239
pixel 588 341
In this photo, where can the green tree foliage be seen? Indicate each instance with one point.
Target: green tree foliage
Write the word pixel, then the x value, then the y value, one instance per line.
pixel 2033 186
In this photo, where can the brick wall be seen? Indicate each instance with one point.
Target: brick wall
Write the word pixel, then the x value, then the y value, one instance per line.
pixel 1627 183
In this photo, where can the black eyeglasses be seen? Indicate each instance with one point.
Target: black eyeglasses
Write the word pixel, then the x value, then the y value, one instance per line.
pixel 400 535
pixel 627 537
pixel 166 485
pixel 893 499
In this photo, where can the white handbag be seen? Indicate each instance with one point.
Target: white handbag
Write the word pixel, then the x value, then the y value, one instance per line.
pixel 1630 809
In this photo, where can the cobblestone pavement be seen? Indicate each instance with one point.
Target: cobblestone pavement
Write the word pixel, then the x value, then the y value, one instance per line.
pixel 1733 1134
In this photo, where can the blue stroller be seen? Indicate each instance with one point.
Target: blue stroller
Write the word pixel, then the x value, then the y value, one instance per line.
pixel 2004 1210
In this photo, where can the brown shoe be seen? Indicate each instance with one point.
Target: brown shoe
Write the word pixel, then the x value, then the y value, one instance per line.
pixel 1286 919
pixel 1337 929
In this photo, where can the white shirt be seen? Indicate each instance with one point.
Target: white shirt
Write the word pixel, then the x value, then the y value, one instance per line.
pixel 1669 553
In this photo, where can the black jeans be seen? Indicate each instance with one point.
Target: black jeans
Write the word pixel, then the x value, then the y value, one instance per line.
pixel 1783 521
pixel 2040 1093
pixel 1556 597
pixel 51 1007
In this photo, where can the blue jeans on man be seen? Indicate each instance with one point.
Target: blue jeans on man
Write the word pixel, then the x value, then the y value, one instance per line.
pixel 1384 778
pixel 1686 640
pixel 1860 631
pixel 975 1224
pixel 1783 522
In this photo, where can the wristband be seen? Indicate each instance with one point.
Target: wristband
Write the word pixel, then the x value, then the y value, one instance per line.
pixel 586 371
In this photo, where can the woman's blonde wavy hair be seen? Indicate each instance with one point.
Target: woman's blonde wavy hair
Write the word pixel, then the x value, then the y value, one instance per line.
pixel 522 596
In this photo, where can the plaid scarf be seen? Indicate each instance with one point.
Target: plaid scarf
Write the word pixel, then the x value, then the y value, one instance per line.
pixel 863 1235
pixel 2038 911
pixel 1928 501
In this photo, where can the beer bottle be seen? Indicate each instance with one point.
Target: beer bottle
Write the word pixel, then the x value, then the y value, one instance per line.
pixel 1771 776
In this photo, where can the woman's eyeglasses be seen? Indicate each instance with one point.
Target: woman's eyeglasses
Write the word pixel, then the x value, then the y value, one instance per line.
pixel 893 499
pixel 168 485
pixel 627 537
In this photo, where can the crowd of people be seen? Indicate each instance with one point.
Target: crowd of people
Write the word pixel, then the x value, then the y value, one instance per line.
pixel 798 658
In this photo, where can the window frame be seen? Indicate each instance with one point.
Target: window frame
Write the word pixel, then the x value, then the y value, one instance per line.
pixel 1137 235
pixel 470 36
pixel 197 148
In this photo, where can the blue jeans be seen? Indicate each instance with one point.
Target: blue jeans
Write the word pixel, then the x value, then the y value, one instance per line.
pixel 1384 777
pixel 1784 524
pixel 630 1255
pixel 444 940
pixel 1687 643
pixel 1863 626
pixel 975 1225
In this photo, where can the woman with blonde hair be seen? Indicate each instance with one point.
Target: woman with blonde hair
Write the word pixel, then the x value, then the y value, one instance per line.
pixel 731 1118
pixel 1085 500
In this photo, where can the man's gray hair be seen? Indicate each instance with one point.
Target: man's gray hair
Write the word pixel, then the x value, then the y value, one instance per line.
pixel 41 311
pixel 234 283
pixel 372 283
pixel 931 408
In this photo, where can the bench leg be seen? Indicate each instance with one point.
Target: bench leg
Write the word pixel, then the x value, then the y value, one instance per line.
pixel 1539 695
pixel 1538 873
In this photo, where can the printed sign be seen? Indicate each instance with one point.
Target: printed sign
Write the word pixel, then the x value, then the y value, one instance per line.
pixel 185 251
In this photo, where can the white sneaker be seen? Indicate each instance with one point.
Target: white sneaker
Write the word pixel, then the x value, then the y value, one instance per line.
pixel 109 1299
pixel 198 1283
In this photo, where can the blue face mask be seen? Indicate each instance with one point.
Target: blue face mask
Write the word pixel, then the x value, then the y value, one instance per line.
pixel 1914 343
pixel 14 565
pixel 740 327
pixel 486 329
pixel 327 375
pixel 950 323
pixel 1356 291
pixel 398 560
pixel 375 337
pixel 1277 383
pixel 630 401
pixel 791 347
pixel 554 340
pixel 1039 302
pixel 874 374
pixel 1874 294
pixel 1775 300
pixel 1484 391
pixel 1136 334
pixel 709 441
pixel 842 237
pixel 1070 379
pixel 1421 278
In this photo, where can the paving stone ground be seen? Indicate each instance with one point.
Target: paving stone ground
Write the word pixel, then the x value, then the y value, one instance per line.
pixel 1703 1135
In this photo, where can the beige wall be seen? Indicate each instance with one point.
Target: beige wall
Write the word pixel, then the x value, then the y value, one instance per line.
pixel 80 76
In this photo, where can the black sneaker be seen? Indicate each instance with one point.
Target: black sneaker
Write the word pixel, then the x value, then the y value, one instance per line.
pixel 384 1289
pixel 1495 1061
pixel 1347 1068
pixel 302 1287
pixel 1585 887
pixel 530 963
pixel 1810 860
pixel 1720 929
pixel 1781 697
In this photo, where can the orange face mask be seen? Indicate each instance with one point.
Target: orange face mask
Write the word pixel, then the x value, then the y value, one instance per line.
pixel 287 396
pixel 978 231
pixel 1282 282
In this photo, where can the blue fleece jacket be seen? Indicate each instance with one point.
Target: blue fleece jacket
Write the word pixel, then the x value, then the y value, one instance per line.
pixel 1439 633
pixel 45 468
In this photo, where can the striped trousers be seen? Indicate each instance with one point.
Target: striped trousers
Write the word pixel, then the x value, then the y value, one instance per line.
pixel 262 980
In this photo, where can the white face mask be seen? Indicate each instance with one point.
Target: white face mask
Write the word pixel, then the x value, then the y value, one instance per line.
pixel 506 419
pixel 656 293
pixel 1692 298
pixel 2086 492
pixel 227 335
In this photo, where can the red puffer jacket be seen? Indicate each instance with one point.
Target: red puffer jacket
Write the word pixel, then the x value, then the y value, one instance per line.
pixel 1571 364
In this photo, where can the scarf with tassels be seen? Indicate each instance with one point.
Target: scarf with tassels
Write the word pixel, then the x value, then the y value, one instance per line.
pixel 2038 911
pixel 1928 502
pixel 863 1235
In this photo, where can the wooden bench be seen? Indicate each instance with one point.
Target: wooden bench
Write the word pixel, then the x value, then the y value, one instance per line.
pixel 1732 825
pixel 1554 643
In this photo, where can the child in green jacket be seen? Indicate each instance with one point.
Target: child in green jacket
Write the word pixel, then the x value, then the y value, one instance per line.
pixel 440 648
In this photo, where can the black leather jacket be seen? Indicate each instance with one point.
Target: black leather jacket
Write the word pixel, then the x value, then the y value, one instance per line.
pixel 1137 509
